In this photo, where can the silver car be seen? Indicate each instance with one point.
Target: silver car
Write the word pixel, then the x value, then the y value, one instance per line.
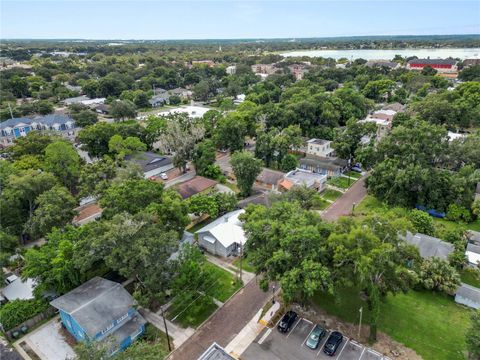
pixel 315 337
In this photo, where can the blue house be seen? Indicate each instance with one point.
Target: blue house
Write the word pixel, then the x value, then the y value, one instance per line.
pixel 101 310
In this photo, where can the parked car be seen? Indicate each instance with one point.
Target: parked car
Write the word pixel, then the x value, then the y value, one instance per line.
pixel 164 176
pixel 10 278
pixel 287 321
pixel 333 342
pixel 316 335
pixel 357 169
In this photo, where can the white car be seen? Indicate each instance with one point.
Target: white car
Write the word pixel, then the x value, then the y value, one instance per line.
pixel 164 176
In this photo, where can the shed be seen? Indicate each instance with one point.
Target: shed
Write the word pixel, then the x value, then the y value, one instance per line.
pixel 473 254
pixel 19 290
pixel 468 295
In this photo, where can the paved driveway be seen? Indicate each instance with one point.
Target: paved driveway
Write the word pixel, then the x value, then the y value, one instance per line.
pixel 47 342
pixel 273 345
pixel 343 205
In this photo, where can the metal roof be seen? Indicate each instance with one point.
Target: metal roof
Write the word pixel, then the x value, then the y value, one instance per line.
pixel 429 246
pixel 433 61
pixel 44 120
pixel 227 229
pixel 469 292
pixel 215 352
pixel 149 161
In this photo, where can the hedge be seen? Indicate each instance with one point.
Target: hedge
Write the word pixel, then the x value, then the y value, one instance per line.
pixel 16 312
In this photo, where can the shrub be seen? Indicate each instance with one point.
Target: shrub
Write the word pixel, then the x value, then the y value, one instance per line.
pixel 458 213
pixel 422 222
pixel 17 311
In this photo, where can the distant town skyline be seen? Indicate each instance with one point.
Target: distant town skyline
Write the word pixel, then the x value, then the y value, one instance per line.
pixel 168 20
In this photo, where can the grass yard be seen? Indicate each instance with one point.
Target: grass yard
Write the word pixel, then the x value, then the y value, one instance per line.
pixel 321 204
pixel 232 186
pixel 430 323
pixel 371 205
pixel 470 277
pixel 226 283
pixel 200 225
pixel 194 315
pixel 330 194
pixel 341 182
pixel 353 174
pixel 245 264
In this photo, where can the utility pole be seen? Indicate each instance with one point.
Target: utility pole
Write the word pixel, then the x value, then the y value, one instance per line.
pixel 360 323
pixel 353 207
pixel 241 261
pixel 166 329
pixel 273 294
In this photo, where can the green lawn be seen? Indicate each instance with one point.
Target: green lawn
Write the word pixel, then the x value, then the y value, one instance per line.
pixel 330 194
pixel 430 323
pixel 319 203
pixel 353 174
pixel 200 225
pixel 226 283
pixel 245 264
pixel 341 182
pixel 194 315
pixel 469 276
pixel 371 205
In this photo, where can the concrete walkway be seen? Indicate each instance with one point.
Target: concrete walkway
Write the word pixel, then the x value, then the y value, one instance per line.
pixel 246 276
pixel 178 334
pixel 247 335
pixel 343 205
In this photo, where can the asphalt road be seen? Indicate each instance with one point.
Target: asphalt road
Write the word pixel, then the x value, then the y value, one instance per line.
pixel 225 324
pixel 343 205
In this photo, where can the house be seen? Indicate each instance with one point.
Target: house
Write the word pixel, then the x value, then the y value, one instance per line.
pixel 468 295
pixel 187 238
pixel 19 290
pixel 441 65
pixel 269 178
pixel 265 69
pixel 471 62
pixel 215 352
pixel 101 309
pixel 224 236
pixel 382 120
pixel 191 111
pixel 159 100
pixel 195 186
pixel 240 98
pixel 473 255
pixel 429 246
pixel 454 136
pixel 209 63
pixel 328 166
pixel 103 109
pixel 75 100
pixel 473 237
pixel 182 93
pixel 87 213
pixel 383 63
pixel 75 88
pixel 396 106
pixel 17 127
pixel 298 70
pixel 320 147
pixel 300 177
pixel 231 70
pixel 151 163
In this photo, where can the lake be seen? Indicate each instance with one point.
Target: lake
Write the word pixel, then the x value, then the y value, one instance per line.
pixel 388 54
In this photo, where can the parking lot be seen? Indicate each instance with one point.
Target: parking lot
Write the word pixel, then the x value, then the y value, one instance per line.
pixel 273 345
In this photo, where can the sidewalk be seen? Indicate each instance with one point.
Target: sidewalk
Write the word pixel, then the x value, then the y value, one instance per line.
pixel 248 334
pixel 178 334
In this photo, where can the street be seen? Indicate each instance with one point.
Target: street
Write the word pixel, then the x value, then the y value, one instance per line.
pixel 227 322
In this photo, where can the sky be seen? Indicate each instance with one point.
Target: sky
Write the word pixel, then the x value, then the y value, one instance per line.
pixel 160 20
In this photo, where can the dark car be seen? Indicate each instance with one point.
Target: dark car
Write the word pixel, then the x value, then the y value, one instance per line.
pixel 315 337
pixel 333 342
pixel 287 321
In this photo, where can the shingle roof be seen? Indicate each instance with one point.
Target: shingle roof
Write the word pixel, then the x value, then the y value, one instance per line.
pixel 95 304
pixel 326 163
pixel 149 160
pixel 271 177
pixel 429 246
pixel 433 61
pixel 45 120
pixel 195 186
pixel 469 292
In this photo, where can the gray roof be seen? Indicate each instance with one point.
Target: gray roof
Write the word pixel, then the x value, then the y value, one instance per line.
pixel 326 163
pixel 429 246
pixel 215 352
pixel 433 61
pixel 469 292
pixel 149 161
pixel 45 120
pixel 390 64
pixel 473 248
pixel 473 236
pixel 271 177
pixel 95 304
pixel 163 97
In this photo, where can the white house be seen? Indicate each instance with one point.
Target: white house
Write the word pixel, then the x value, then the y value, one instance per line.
pixel 231 70
pixel 473 254
pixel 320 147
pixel 468 295
pixel 224 236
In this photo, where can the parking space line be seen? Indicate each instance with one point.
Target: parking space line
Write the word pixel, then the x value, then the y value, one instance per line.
pixel 307 321
pixel 364 348
pixel 294 327
pixel 340 353
pixel 262 339
pixel 308 335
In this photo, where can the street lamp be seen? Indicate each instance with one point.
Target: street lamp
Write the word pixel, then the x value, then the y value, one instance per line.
pixel 353 207
pixel 360 323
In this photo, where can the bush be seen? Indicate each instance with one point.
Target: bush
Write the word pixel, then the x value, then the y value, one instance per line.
pixel 17 311
pixel 422 222
pixel 458 213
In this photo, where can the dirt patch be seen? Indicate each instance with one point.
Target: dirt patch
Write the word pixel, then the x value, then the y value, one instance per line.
pixel 69 339
pixel 384 344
